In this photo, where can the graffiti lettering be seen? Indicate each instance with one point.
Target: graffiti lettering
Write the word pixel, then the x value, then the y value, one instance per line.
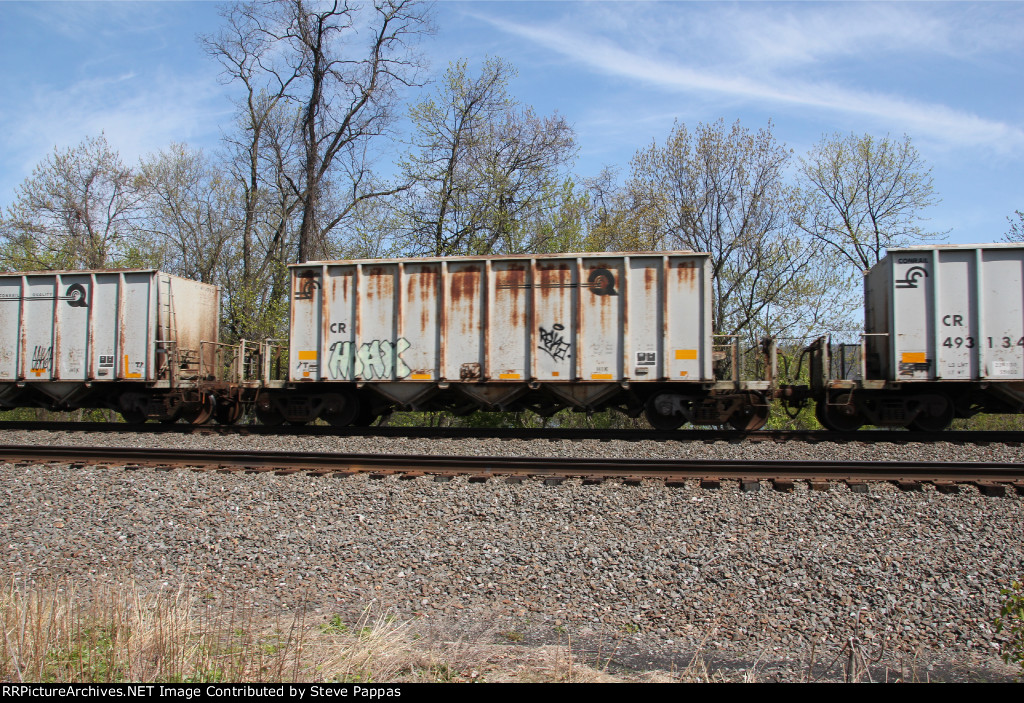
pixel 374 360
pixel 42 357
pixel 554 343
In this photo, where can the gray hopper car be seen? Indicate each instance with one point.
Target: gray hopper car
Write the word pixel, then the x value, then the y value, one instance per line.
pixel 127 340
pixel 944 338
pixel 538 332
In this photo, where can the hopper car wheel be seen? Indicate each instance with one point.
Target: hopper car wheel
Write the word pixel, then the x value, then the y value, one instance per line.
pixel 269 417
pixel 832 417
pixel 203 412
pixel 935 416
pixel 751 418
pixel 659 419
pixel 228 413
pixel 341 410
pixel 365 417
pixel 134 417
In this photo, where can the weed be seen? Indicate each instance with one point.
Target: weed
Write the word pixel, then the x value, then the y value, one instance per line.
pixel 1011 619
pixel 334 626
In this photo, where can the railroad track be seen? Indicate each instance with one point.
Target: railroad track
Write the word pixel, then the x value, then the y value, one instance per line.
pixel 1014 438
pixel 990 478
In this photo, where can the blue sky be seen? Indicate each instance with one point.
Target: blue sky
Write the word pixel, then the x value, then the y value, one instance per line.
pixel 950 75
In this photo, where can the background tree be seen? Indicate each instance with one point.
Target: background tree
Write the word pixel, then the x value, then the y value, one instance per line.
pixel 77 210
pixel 187 212
pixel 1016 233
pixel 262 147
pixel 485 174
pixel 862 195
pixel 337 66
pixel 722 190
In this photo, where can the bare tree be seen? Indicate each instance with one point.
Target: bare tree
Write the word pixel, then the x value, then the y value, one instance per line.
pixel 76 210
pixel 862 195
pixel 187 211
pixel 262 146
pixel 722 190
pixel 486 174
pixel 337 66
pixel 1016 233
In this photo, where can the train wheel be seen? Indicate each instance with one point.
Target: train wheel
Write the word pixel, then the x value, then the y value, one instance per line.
pixel 841 416
pixel 203 411
pixel 269 417
pixel 134 416
pixel 228 413
pixel 752 417
pixel 341 409
pixel 365 417
pixel 659 412
pixel 935 415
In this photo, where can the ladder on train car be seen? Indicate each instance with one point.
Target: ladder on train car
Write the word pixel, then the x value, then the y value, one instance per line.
pixel 178 363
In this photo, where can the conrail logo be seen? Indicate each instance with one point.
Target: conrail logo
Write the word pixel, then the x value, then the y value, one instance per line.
pixel 602 282
pixel 914 274
pixel 77 296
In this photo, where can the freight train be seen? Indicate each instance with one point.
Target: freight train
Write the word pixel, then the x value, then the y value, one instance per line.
pixel 944 338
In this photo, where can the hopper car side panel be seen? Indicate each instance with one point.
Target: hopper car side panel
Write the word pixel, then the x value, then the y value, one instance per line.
pixel 108 339
pixel 945 339
pixel 540 332
pixel 551 319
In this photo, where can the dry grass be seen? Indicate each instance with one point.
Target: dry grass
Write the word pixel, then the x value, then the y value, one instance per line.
pixel 65 632
pixel 114 633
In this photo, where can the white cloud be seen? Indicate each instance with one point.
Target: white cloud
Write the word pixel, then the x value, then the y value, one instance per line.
pixel 949 125
pixel 138 113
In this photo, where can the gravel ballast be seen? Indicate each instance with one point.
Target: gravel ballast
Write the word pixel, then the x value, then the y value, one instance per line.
pixel 647 576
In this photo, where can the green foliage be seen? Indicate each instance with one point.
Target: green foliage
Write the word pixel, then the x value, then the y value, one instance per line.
pixel 93 656
pixel 1011 620
pixel 862 195
pixel 335 626
pixel 990 422
pixel 486 174
pixel 607 419
pixel 722 190
pixel 77 210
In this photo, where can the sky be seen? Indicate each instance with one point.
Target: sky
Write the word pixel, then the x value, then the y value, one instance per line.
pixel 950 75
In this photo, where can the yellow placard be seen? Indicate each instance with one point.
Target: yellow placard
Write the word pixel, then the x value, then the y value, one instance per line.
pixel 420 376
pixel 509 376
pixel 914 358
pixel 686 353
pixel 601 376
pixel 307 356
pixel 127 374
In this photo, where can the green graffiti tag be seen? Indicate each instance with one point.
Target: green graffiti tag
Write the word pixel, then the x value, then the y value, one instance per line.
pixel 374 360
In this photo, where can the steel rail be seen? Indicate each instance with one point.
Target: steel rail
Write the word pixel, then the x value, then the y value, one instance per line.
pixel 528 466
pixel 545 433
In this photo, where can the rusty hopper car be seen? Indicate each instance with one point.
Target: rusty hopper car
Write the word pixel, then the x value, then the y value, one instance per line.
pixel 944 338
pixel 538 332
pixel 128 340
